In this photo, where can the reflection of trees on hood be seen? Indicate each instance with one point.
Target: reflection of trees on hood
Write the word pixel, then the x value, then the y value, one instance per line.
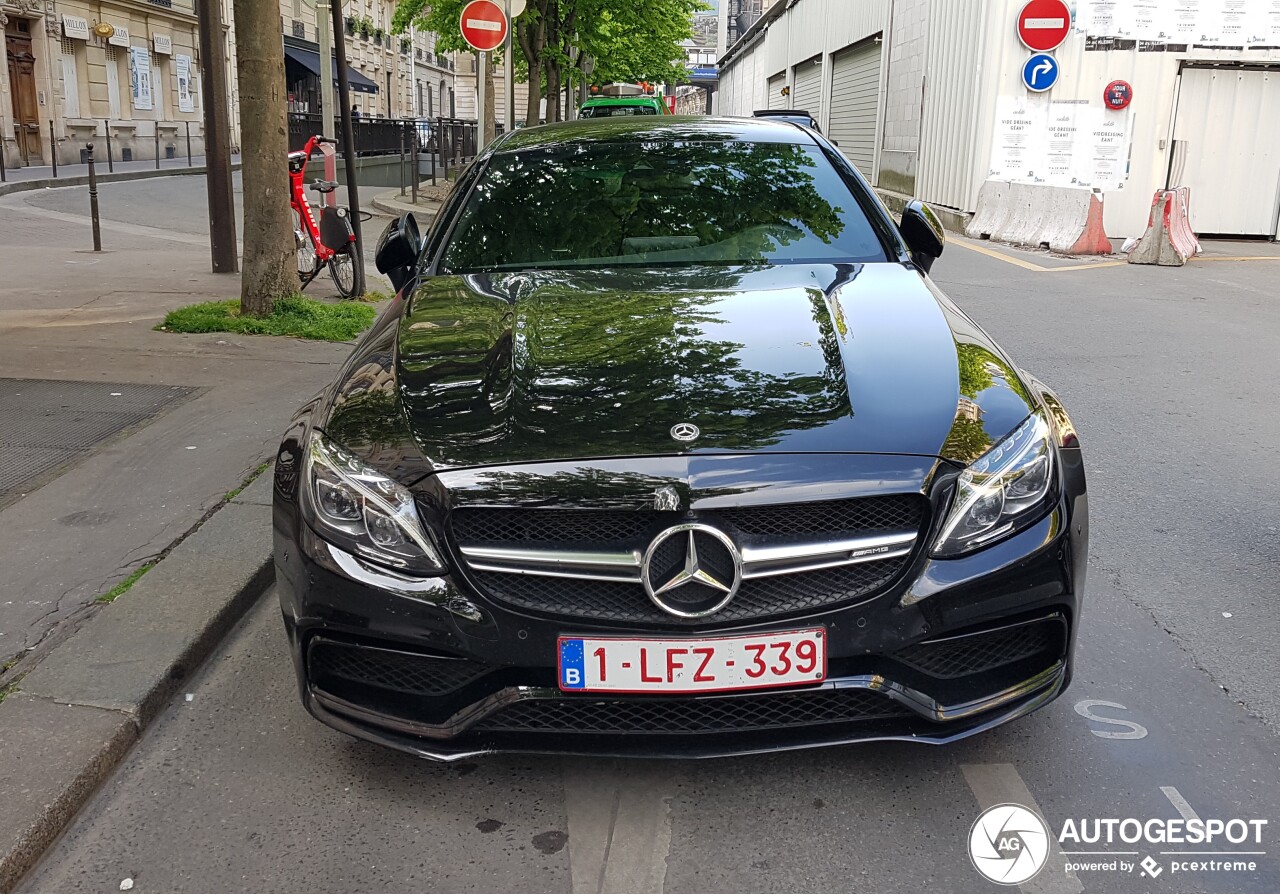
pixel 573 203
pixel 562 373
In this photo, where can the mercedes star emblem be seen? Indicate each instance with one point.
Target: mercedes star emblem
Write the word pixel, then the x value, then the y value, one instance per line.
pixel 685 431
pixel 691 570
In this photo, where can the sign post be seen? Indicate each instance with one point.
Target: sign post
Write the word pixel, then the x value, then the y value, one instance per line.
pixel 485 27
pixel 1044 24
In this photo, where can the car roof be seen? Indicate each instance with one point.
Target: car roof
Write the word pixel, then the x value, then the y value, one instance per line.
pixel 648 128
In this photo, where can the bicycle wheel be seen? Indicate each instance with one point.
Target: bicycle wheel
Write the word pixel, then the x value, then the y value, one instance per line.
pixel 343 270
pixel 307 259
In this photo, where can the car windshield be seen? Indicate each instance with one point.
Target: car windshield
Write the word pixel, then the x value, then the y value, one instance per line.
pixel 612 111
pixel 659 203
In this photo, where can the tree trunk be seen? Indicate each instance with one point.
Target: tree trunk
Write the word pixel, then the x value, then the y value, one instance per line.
pixel 269 270
pixel 553 92
pixel 531 31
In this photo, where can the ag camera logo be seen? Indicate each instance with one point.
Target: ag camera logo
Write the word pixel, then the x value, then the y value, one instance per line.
pixel 1009 844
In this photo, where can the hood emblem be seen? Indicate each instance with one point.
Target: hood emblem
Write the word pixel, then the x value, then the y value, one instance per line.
pixel 665 499
pixel 691 570
pixel 685 431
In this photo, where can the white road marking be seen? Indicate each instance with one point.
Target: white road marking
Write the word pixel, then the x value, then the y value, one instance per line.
pixel 994 784
pixel 1179 803
pixel 619 826
pixel 1085 709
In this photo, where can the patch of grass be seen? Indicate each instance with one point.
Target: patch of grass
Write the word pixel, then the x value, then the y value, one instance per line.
pixel 123 587
pixel 373 296
pixel 6 691
pixel 296 317
pixel 249 479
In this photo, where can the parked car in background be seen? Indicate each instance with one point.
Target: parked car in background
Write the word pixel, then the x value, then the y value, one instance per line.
pixel 622 106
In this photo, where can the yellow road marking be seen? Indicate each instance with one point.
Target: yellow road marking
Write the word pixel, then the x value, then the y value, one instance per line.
pixel 1027 265
pixel 1039 268
pixel 1241 258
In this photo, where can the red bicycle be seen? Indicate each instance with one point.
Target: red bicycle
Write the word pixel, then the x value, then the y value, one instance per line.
pixel 330 245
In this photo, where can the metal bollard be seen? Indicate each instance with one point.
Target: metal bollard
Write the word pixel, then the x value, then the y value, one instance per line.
pixel 188 123
pixel 53 148
pixel 93 200
pixel 111 165
pixel 402 159
pixel 157 134
pixel 3 177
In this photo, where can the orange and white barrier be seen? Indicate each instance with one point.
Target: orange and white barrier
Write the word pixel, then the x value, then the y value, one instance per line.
pixel 1169 240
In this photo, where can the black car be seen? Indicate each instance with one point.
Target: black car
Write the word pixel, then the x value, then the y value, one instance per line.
pixel 669 445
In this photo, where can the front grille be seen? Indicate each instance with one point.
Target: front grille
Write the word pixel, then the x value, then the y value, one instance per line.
pixel 626 602
pixel 870 515
pixel 980 652
pixel 406 672
pixel 553 526
pixel 701 715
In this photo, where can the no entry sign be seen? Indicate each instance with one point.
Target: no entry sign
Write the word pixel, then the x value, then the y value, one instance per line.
pixel 1044 24
pixel 484 25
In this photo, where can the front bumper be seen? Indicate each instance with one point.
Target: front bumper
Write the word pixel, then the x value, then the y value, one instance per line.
pixel 476 677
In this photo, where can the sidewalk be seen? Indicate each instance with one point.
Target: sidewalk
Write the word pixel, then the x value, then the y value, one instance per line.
pixel 130 546
pixel 430 198
pixel 45 172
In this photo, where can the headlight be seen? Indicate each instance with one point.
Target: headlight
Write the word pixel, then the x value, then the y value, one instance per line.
pixel 364 511
pixel 1005 489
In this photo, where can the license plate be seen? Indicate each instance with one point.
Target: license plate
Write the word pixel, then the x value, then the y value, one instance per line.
pixel 719 664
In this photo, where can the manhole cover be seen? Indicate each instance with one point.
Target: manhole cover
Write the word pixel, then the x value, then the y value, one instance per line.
pixel 50 425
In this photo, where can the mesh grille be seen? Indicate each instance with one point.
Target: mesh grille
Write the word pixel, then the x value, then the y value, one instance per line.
pixel 974 654
pixel 803 520
pixel 757 598
pixel 483 526
pixel 706 715
pixel 397 671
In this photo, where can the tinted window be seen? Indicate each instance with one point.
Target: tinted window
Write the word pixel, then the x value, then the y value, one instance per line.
pixel 613 111
pixel 635 204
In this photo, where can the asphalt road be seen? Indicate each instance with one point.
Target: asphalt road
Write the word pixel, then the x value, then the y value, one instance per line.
pixel 1169 374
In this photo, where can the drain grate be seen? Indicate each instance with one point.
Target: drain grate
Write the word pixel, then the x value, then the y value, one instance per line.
pixel 50 425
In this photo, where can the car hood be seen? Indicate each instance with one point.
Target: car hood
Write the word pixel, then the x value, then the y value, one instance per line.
pixel 488 369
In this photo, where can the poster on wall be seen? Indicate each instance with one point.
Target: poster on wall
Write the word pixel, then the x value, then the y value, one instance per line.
pixel 1107 149
pixel 1063 138
pixel 1017 150
pixel 1269 24
pixel 182 68
pixel 1070 143
pixel 1178 24
pixel 1235 22
pixel 140 77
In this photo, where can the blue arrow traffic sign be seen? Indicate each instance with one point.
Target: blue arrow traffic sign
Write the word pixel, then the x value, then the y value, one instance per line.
pixel 1040 72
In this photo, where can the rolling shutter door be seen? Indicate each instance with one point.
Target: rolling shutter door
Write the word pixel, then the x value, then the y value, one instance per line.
pixel 1230 119
pixel 776 99
pixel 807 94
pixel 855 103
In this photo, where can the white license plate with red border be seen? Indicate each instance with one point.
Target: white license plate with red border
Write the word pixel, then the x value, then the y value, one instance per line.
pixel 713 664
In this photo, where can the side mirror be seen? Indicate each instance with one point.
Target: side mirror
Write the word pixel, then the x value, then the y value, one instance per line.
pixel 923 233
pixel 398 250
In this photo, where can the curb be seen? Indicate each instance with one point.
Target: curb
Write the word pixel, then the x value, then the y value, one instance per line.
pixel 390 206
pixel 83 179
pixel 953 220
pixel 76 715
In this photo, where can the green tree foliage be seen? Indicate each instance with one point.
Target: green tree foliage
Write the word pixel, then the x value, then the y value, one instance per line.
pixel 629 42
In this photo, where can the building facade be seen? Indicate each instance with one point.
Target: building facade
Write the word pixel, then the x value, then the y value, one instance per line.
pixel 74 71
pixel 927 98
pixel 399 75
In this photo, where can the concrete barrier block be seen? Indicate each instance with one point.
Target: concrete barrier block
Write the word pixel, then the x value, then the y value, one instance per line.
pixel 1169 240
pixel 1068 220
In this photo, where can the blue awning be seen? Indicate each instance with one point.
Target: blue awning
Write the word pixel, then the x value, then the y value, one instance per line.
pixel 311 62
